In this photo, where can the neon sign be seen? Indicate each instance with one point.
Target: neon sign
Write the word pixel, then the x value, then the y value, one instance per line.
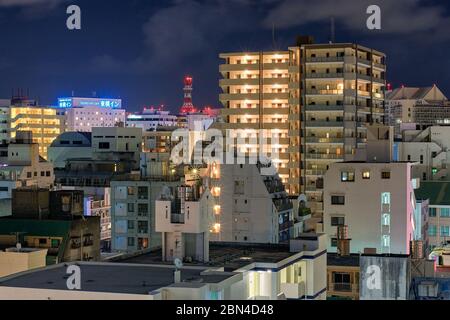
pixel 89 102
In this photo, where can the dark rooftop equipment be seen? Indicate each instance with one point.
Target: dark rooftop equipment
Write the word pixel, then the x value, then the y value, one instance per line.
pixel 302 40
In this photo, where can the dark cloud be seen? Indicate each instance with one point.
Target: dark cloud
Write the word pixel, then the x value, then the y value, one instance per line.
pixel 399 17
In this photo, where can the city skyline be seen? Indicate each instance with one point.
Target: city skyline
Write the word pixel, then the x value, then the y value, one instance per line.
pixel 143 59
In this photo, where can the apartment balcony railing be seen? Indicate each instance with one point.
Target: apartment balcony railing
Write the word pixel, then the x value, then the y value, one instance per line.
pixel 323 140
pixel 325 156
pixel 315 172
pixel 324 75
pixel 325 59
pixel 283 204
pixel 177 218
pixel 324 123
pixel 324 91
pixel 344 287
pixel 317 107
pixel 313 188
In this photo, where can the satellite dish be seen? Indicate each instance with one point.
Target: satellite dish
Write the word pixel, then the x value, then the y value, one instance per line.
pixel 178 263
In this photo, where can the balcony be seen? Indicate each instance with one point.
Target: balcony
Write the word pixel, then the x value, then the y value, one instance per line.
pixel 324 140
pixel 177 218
pixel 328 92
pixel 324 75
pixel 303 212
pixel 239 67
pixel 283 204
pixel 324 59
pixel 344 288
pixel 324 107
pixel 315 172
pixel 323 156
pixel 324 124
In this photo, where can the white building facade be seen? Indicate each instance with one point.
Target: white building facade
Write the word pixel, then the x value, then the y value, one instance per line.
pixel 83 114
pixel 376 201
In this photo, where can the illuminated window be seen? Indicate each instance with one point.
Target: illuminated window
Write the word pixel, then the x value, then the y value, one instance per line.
pixel 386 241
pixel 386 219
pixel 386 198
pixel 366 175
pixel 347 176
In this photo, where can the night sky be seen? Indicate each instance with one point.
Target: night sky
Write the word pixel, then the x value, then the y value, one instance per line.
pixel 139 50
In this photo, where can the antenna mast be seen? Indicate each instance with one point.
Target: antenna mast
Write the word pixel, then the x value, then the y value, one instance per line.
pixel 332 30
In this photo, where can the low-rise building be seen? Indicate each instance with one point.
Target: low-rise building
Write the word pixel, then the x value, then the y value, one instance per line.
pixel 152 118
pixel 235 272
pixel 409 105
pixel 251 205
pixel 429 150
pixel 70 145
pixel 375 200
pixel 438 195
pixel 23 167
pixel 343 276
pixel 133 201
pixel 17 259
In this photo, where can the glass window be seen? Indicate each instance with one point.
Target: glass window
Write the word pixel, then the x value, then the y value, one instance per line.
pixel 432 212
pixel 239 187
pixel 143 192
pixel 337 221
pixel 333 242
pixel 432 230
pixel 445 212
pixel 347 176
pixel 386 198
pixel 130 224
pixel 386 220
pixel 130 207
pixel 386 241
pixel 130 191
pixel 385 175
pixel 366 175
pixel 338 200
pixel 130 242
pixel 445 231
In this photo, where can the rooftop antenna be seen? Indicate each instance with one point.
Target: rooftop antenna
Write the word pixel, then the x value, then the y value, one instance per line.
pixel 332 30
pixel 274 42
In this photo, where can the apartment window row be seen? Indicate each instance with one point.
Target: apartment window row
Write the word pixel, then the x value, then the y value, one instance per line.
pixel 349 176
pixel 443 212
pixel 444 231
pixel 35 174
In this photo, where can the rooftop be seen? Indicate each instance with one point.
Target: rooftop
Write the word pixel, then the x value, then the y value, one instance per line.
pixel 231 256
pixel 437 191
pixel 114 277
pixel 333 259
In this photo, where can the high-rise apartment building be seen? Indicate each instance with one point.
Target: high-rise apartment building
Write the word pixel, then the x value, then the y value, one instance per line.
pixel 316 97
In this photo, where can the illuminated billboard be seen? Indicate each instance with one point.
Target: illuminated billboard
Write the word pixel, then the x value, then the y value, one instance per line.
pixel 89 102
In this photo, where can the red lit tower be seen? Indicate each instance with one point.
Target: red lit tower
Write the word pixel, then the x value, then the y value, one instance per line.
pixel 188 106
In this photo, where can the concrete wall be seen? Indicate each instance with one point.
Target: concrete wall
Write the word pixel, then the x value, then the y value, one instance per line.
pixel 363 207
pixel 391 276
